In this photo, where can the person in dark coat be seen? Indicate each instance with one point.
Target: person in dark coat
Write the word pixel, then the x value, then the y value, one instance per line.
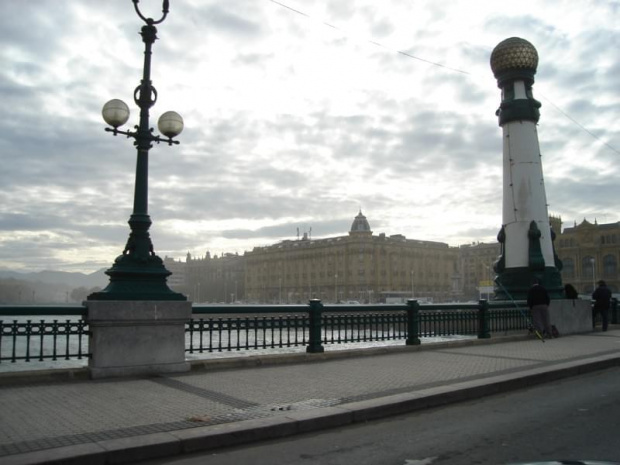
pixel 538 300
pixel 602 300
pixel 571 292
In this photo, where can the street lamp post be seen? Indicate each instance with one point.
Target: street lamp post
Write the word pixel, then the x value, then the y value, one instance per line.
pixel 336 288
pixel 138 273
pixel 593 261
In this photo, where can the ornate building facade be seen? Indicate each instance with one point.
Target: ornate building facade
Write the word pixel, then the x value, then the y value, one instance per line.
pixel 358 267
pixel 590 252
pixel 215 279
pixel 365 267
pixel 476 269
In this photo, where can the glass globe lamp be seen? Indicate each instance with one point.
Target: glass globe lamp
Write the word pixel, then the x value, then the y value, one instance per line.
pixel 115 113
pixel 170 124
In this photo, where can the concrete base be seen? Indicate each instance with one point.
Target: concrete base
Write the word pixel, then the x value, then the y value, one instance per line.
pixel 571 316
pixel 136 338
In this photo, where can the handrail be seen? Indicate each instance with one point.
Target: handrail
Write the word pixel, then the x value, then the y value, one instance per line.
pixel 339 308
pixel 42 310
pixel 80 310
pixel 243 309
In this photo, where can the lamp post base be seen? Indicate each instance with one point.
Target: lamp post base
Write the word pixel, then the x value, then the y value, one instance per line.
pixel 515 283
pixel 138 274
pixel 133 280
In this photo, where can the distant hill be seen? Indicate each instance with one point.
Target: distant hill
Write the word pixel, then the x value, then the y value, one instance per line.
pixel 71 280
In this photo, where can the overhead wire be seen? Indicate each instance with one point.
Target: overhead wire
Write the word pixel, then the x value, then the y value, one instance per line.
pixel 583 128
pixel 440 65
pixel 378 44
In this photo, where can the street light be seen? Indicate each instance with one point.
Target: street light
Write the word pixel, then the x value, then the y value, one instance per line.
pixel 336 300
pixel 139 274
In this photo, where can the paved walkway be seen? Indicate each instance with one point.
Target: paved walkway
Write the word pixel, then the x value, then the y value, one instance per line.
pixel 126 420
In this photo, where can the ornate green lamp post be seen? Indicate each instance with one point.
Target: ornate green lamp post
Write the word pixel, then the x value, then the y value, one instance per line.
pixel 138 273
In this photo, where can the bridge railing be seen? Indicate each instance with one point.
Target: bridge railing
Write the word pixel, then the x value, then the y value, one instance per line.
pixel 254 327
pixel 228 328
pixel 23 337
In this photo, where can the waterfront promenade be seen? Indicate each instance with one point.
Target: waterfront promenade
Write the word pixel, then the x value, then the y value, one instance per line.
pixel 63 417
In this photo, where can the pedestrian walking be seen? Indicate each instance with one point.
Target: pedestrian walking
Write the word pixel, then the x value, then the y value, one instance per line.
pixel 538 300
pixel 602 300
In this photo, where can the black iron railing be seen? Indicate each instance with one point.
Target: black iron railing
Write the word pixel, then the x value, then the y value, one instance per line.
pixel 220 334
pixel 255 327
pixel 24 338
pixel 229 328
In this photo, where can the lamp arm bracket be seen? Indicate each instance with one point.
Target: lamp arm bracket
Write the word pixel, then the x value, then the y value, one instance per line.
pixel 168 140
pixel 117 131
pixel 150 137
pixel 151 21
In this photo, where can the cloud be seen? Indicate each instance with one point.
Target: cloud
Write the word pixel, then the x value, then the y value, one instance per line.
pixel 290 122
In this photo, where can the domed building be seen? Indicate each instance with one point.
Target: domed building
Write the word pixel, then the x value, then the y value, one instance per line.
pixel 360 267
pixel 360 225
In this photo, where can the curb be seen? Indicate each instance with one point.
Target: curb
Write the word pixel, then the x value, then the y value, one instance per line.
pixel 160 445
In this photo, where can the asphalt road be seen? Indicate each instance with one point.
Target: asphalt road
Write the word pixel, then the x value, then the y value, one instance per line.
pixel 576 418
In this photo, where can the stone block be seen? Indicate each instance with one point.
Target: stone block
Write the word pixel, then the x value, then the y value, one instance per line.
pixel 135 338
pixel 571 316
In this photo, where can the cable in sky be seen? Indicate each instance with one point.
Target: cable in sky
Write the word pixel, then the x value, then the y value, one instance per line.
pixel 401 52
pixel 580 125
pixel 409 55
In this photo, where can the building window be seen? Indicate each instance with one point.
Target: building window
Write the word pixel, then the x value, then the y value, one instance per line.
pixel 569 268
pixel 587 267
pixel 610 267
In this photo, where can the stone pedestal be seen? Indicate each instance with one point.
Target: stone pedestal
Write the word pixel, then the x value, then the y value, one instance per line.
pixel 134 338
pixel 571 316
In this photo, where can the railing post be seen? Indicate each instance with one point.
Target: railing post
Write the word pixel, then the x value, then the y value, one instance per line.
pixel 314 341
pixel 413 320
pixel 483 319
pixel 614 311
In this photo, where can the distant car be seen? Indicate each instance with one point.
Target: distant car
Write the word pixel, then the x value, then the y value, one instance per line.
pixel 352 302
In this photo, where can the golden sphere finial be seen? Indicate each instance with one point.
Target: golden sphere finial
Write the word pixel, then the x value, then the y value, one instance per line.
pixel 514 54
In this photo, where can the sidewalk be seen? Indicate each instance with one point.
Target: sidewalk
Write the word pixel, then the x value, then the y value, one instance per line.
pixel 226 402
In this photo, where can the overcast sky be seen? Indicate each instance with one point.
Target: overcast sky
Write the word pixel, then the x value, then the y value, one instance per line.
pixel 297 114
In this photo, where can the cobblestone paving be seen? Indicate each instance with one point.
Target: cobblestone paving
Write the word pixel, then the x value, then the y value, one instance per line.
pixel 35 417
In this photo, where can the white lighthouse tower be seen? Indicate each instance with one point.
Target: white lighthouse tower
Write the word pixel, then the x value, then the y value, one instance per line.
pixel 526 238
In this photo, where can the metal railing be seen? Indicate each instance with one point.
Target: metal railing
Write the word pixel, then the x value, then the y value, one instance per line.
pixel 253 327
pixel 26 339
pixel 229 328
